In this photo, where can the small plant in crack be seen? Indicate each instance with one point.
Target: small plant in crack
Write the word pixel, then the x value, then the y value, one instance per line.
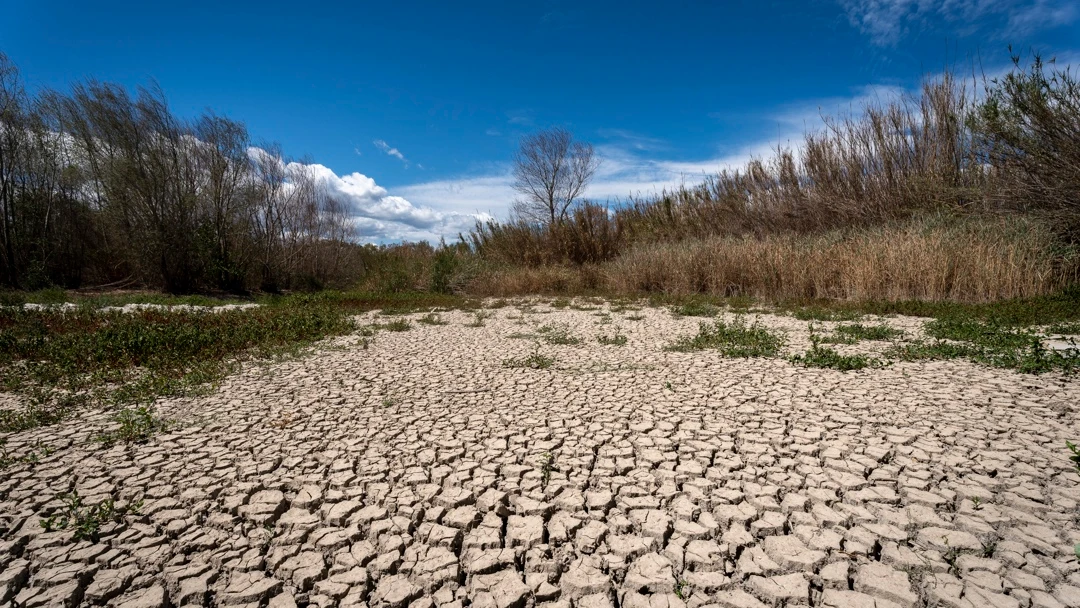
pixel 478 318
pixel 432 319
pixel 822 356
pixel 558 334
pixel 32 457
pixel 535 360
pixel 682 589
pixel 86 520
pixel 398 325
pixel 615 339
pixel 137 425
pixel 547 466
pixel 1075 458
pixel 734 339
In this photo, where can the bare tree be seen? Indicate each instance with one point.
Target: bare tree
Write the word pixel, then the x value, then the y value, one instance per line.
pixel 551 171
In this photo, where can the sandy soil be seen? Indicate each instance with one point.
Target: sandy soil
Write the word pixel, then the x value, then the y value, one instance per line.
pixel 421 471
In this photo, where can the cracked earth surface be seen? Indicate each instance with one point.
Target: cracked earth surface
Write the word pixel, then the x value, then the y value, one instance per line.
pixel 420 471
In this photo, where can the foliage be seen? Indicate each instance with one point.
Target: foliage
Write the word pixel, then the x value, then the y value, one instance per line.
pixel 850 334
pixel 137 425
pixel 823 356
pixel 615 339
pixel 735 339
pixel 61 360
pixel 558 334
pixel 535 360
pixel 86 520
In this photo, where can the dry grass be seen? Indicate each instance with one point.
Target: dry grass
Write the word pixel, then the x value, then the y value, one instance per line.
pixel 961 260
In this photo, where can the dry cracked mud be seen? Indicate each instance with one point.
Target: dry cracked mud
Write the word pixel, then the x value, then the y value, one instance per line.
pixel 420 471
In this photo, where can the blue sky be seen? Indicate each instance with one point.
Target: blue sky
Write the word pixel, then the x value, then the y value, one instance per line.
pixel 413 109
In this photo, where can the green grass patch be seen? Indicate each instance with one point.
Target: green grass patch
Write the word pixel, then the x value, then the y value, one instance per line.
pixel 825 357
pixel 695 308
pixel 432 319
pixel 135 425
pixel 988 342
pixel 61 360
pixel 735 339
pixel 558 334
pixel 535 360
pixel 614 339
pixel 857 332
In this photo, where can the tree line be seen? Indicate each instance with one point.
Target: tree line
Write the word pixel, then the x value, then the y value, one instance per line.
pixel 102 187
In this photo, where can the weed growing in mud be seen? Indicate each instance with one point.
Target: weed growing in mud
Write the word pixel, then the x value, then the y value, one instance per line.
pixel 31 457
pixel 558 334
pixel 988 342
pixel 136 426
pixel 560 303
pixel 61 360
pixel 547 466
pixel 820 313
pixel 615 339
pixel 682 589
pixel 695 308
pixel 478 318
pixel 634 317
pixel 86 520
pixel 535 360
pixel 432 319
pixel 825 357
pixel 856 332
pixel 396 325
pixel 1075 458
pixel 734 339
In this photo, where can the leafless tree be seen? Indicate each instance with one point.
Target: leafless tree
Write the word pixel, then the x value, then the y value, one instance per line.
pixel 551 171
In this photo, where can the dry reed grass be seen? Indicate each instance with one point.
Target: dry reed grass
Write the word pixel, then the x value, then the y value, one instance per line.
pixel 953 259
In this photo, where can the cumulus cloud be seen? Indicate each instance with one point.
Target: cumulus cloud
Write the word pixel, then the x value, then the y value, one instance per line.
pixel 378 215
pixel 390 151
pixel 886 22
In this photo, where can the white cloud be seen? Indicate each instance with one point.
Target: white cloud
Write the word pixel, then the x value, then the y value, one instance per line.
pixel 886 22
pixel 378 215
pixel 391 151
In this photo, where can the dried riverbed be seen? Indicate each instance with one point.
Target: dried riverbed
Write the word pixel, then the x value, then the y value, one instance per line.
pixel 419 470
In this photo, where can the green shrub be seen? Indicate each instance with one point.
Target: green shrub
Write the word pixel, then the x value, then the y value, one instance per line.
pixel 735 339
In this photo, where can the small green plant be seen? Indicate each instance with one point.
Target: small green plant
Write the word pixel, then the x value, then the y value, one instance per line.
pixel 735 339
pixel 432 319
pixel 825 357
pixel 1075 458
pixel 478 318
pixel 615 339
pixel 976 502
pixel 397 325
pixel 558 334
pixel 534 360
pixel 547 466
pixel 634 317
pixel 682 589
pixel 86 520
pixel 822 313
pixel 32 457
pixel 560 303
pixel 850 334
pixel 137 425
pixel 695 308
